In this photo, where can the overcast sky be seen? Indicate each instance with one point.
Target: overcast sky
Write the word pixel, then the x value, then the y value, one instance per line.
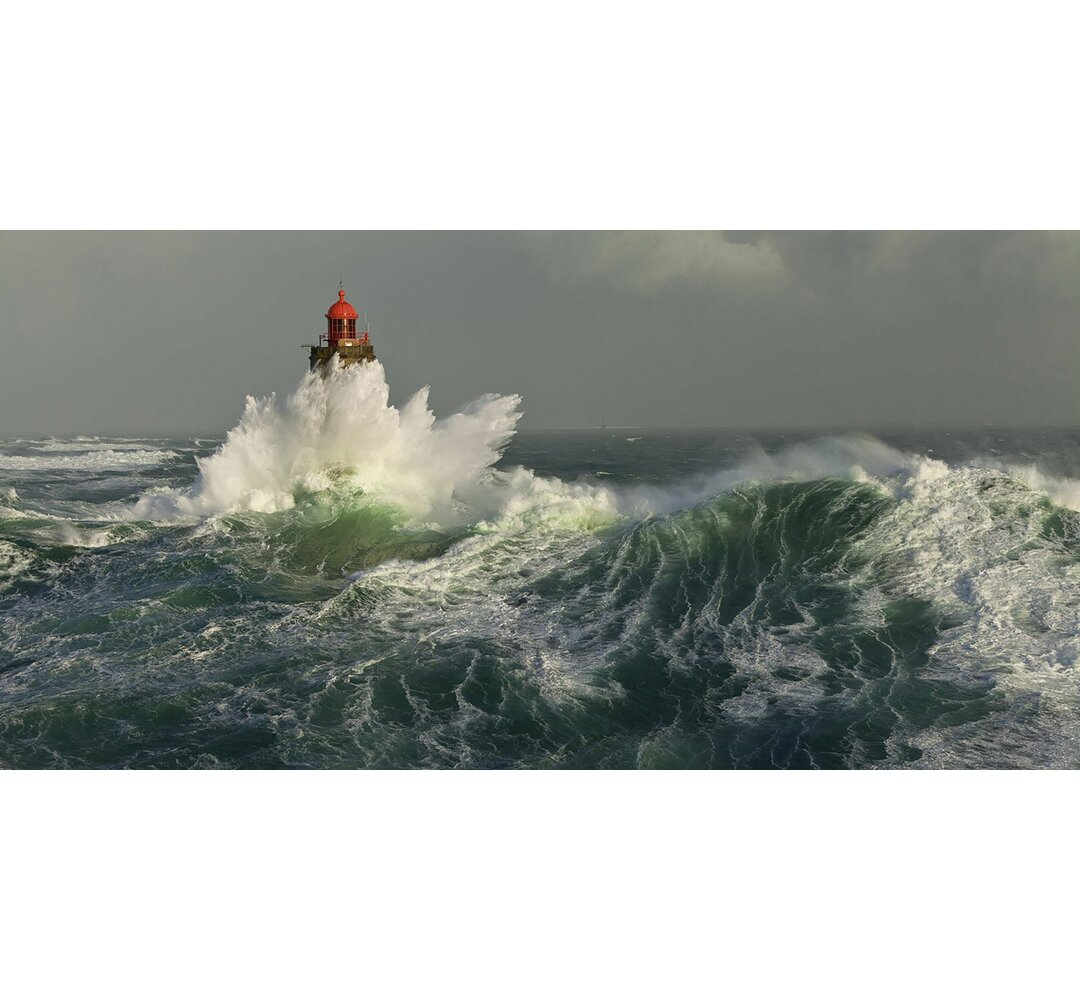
pixel 151 333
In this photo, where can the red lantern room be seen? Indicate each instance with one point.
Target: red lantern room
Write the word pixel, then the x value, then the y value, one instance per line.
pixel 342 339
pixel 341 320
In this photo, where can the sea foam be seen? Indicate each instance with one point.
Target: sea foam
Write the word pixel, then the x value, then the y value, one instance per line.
pixel 341 430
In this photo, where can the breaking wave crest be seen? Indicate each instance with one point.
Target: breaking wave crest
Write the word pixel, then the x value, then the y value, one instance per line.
pixel 91 460
pixel 341 432
pixel 339 436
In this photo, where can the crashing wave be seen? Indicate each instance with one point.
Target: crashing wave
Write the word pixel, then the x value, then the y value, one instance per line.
pixel 341 431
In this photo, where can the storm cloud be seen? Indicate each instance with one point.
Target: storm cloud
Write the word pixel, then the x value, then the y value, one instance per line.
pixel 153 333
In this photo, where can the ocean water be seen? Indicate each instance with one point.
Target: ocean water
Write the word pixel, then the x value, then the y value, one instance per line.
pixel 343 584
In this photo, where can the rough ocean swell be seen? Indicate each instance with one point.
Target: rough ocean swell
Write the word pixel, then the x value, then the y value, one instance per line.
pixel 344 584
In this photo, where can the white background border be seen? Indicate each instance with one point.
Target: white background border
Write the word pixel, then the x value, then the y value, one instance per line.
pixel 570 114
pixel 538 885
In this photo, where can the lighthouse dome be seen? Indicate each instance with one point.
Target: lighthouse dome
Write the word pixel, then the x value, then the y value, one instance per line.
pixel 341 309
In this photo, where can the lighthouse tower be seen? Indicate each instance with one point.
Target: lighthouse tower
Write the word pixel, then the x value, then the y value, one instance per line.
pixel 342 338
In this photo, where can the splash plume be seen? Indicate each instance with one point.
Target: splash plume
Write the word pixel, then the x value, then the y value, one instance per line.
pixel 342 428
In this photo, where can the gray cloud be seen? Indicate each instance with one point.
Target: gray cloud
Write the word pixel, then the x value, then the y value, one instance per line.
pixel 159 332
pixel 650 261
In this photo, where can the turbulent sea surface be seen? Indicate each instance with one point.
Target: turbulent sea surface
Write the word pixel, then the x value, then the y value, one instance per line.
pixel 343 584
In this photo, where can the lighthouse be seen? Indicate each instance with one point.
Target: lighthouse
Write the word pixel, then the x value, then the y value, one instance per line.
pixel 342 338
